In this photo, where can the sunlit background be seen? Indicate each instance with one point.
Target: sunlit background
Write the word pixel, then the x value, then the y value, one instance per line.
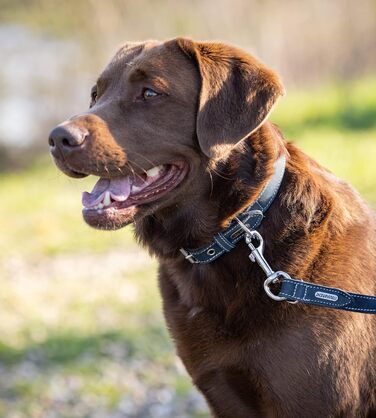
pixel 81 328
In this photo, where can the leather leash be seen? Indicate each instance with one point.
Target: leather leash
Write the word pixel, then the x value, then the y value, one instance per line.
pixel 291 290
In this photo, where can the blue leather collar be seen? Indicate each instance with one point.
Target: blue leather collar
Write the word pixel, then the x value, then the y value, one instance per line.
pixel 252 217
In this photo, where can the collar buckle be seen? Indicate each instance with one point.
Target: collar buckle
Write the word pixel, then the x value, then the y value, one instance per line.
pixel 188 256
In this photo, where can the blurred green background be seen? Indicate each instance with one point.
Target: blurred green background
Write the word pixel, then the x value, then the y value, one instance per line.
pixel 81 329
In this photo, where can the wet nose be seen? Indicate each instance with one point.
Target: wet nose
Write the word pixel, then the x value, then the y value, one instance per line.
pixel 66 138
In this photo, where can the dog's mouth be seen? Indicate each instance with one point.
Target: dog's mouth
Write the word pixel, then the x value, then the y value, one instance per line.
pixel 114 202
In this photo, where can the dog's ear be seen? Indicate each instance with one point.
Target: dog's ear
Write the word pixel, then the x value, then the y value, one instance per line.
pixel 237 94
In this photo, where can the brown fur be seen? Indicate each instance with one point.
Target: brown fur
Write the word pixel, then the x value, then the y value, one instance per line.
pixel 249 355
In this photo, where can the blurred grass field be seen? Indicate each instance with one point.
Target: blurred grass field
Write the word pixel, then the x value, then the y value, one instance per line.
pixel 82 333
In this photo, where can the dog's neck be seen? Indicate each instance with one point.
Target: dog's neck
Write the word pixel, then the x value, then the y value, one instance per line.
pixel 228 187
pixel 297 216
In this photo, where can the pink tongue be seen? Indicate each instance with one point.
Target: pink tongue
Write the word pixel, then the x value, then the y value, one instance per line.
pixel 119 189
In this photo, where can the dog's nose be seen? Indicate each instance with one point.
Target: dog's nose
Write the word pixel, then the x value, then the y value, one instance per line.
pixel 66 138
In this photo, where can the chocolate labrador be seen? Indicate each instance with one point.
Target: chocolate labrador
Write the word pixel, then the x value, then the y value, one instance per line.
pixel 177 134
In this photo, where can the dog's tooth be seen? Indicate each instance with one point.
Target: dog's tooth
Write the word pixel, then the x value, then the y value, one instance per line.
pixel 107 199
pixel 100 206
pixel 154 171
pixel 135 188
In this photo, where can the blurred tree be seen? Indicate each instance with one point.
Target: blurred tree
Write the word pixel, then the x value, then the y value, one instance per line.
pixel 49 67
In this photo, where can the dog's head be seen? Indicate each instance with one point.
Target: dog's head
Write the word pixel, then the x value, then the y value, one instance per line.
pixel 160 114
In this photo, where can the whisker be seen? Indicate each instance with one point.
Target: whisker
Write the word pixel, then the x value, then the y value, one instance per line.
pixel 146 159
pixel 219 174
pixel 133 171
pixel 138 166
pixel 130 166
pixel 211 182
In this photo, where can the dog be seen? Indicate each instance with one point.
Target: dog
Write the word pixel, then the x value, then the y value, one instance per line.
pixel 178 134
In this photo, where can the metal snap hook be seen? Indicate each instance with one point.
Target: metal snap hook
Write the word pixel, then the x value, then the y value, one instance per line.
pixel 274 278
pixel 260 242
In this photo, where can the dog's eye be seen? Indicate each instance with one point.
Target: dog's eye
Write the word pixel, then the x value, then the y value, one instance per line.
pixel 149 93
pixel 94 94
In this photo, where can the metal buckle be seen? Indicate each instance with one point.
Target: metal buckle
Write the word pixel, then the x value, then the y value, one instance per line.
pixel 236 233
pixel 188 256
pixel 244 227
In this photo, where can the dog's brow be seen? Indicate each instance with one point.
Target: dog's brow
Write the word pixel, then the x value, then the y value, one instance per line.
pixel 137 75
pixel 102 82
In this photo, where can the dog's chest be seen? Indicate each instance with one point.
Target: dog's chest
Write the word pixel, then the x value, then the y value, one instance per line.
pixel 207 319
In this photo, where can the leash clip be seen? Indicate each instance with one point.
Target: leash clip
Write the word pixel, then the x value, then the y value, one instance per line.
pixel 257 255
pixel 257 252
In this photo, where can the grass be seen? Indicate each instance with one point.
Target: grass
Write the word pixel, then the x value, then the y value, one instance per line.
pixel 43 214
pixel 336 125
pixel 345 107
pixel 82 333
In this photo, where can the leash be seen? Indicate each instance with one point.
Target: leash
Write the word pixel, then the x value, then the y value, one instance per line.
pixel 291 290
pixel 294 291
